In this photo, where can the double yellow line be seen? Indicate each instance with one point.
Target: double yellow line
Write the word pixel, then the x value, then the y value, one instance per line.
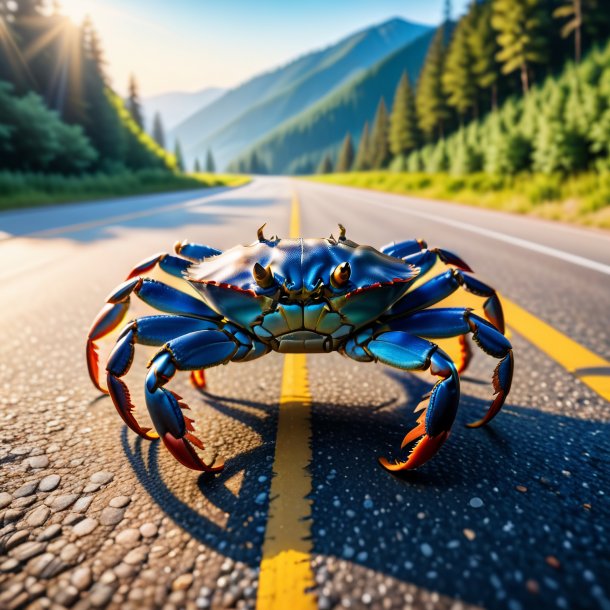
pixel 286 578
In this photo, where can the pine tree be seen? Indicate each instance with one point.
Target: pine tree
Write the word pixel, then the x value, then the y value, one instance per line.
pixel 346 155
pixel 197 166
pixel 179 157
pixel 458 78
pixel 362 156
pixel 404 134
pixel 572 10
pixel 325 166
pixel 379 145
pixel 210 165
pixel 484 48
pixel 521 35
pixel 158 133
pixel 432 110
pixel 133 102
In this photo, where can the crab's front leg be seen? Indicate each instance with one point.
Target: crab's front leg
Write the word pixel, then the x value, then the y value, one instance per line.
pixel 194 351
pixel 408 352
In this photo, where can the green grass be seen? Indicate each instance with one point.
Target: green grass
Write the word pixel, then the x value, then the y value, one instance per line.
pixel 23 190
pixel 582 199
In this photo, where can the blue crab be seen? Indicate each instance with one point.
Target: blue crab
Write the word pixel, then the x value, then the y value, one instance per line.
pixel 299 295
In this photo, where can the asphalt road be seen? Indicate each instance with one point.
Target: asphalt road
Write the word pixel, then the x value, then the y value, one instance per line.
pixel 514 516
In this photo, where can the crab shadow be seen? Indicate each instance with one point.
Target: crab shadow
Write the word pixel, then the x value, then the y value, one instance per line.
pixel 459 526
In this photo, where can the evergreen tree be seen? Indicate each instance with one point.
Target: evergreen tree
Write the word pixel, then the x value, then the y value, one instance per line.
pixel 379 144
pixel 158 133
pixel 521 35
pixel 133 102
pixel 572 10
pixel 362 156
pixel 484 48
pixel 325 166
pixel 430 99
pixel 197 166
pixel 404 134
pixel 210 165
pixel 179 157
pixel 346 155
pixel 458 77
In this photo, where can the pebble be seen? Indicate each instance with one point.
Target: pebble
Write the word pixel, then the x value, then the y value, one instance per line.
pixel 38 461
pixel 476 502
pixel 521 488
pixel 82 504
pixel 27 550
pixel 16 539
pixel 62 502
pixel 111 516
pixel 38 516
pixel 66 596
pixel 81 578
pixel 86 526
pixel 49 483
pixel 69 553
pixel 469 534
pixel 148 530
pixel 119 501
pixel 553 562
pixel 10 515
pixel 24 501
pixel 25 490
pixel 128 537
pixel 532 586
pixel 184 581
pixel 426 550
pixel 136 556
pixel 5 499
pixel 100 595
pixel 9 565
pixel 50 532
pixel 102 477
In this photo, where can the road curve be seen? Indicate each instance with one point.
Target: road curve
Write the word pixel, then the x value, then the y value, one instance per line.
pixel 515 516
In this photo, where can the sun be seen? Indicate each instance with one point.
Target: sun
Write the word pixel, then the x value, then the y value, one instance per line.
pixel 77 10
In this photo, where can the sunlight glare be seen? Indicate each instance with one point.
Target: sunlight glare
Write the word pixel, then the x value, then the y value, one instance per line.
pixel 77 10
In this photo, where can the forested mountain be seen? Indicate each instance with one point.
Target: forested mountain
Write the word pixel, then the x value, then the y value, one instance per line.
pixel 176 106
pixel 298 145
pixel 245 113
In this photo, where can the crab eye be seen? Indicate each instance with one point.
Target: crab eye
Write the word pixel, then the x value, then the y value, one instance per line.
pixel 340 276
pixel 263 275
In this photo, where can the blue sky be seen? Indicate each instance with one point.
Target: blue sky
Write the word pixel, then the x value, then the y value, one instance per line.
pixel 190 44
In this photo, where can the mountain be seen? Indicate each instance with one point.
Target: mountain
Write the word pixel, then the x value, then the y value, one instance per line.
pixel 232 123
pixel 297 145
pixel 175 106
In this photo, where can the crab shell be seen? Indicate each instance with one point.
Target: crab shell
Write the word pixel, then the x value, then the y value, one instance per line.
pixel 301 284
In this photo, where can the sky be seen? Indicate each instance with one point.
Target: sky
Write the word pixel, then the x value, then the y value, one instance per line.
pixel 186 45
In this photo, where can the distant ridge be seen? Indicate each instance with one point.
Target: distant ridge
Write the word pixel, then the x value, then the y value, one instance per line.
pixel 297 146
pixel 176 106
pixel 242 115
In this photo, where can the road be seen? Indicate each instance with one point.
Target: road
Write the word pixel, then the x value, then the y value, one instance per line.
pixel 512 516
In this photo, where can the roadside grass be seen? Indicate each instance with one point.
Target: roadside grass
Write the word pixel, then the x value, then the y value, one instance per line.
pixel 582 199
pixel 26 190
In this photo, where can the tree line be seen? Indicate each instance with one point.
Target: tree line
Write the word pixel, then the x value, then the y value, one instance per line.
pixel 490 58
pixel 58 111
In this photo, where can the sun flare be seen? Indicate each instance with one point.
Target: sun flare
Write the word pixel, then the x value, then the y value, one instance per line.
pixel 77 10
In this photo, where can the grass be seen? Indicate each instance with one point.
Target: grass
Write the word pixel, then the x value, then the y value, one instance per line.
pixel 24 190
pixel 583 199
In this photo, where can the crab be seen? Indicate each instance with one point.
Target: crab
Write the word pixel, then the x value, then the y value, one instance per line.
pixel 299 296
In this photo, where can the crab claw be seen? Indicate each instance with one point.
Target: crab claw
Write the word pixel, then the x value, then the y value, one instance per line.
pixel 501 382
pixel 183 451
pixel 111 315
pixel 198 379
pixel 438 408
pixel 449 258
pixel 494 313
pixel 119 392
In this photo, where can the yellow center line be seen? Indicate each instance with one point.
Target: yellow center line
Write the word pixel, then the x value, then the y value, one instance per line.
pixel 590 368
pixel 286 579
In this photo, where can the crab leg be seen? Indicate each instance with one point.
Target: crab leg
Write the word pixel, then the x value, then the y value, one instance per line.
pixel 154 293
pixel 450 322
pixel 404 351
pixel 152 330
pixel 193 351
pixel 416 252
pixel 441 286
